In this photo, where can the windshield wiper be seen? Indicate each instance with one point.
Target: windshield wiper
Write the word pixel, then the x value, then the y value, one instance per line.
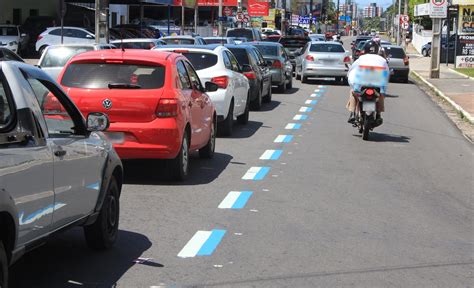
pixel 123 86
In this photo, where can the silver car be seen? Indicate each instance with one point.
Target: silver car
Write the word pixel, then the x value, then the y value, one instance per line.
pixel 398 63
pixel 322 60
pixel 56 169
pixel 55 58
pixel 138 43
pixel 184 40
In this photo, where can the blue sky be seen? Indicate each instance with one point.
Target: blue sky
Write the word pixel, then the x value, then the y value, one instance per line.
pixel 363 3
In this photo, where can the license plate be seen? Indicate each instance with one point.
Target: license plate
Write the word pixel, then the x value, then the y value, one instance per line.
pixel 115 137
pixel 368 106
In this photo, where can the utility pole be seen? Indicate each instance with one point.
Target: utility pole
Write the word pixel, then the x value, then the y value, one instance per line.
pixel 311 16
pixel 398 21
pixel 404 34
pixel 182 17
pixel 221 32
pixel 435 48
pixel 283 18
pixel 101 21
pixel 196 17
pixel 337 17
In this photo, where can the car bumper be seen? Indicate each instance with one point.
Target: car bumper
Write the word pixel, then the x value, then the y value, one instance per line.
pixel 278 76
pixel 220 102
pixel 400 73
pixel 159 139
pixel 325 71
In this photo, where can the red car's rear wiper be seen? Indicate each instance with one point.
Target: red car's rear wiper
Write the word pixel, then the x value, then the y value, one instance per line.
pixel 123 86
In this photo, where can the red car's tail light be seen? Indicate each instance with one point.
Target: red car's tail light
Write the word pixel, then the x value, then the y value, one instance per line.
pixel 180 51
pixel 406 61
pixel 221 81
pixel 39 38
pixel 250 75
pixel 114 61
pixel 309 58
pixel 277 64
pixel 167 108
pixel 347 59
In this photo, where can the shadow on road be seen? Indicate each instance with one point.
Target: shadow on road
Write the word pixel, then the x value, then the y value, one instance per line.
pixel 66 261
pixel 244 131
pixel 288 91
pixel 154 172
pixel 266 107
pixel 382 137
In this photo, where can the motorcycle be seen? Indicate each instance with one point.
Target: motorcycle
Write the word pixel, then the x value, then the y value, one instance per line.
pixel 366 119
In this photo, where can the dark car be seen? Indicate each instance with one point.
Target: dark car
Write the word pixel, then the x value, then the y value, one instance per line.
pixel 8 55
pixel 294 44
pixel 251 34
pixel 359 39
pixel 257 72
pixel 279 63
pixel 143 30
pixel 357 51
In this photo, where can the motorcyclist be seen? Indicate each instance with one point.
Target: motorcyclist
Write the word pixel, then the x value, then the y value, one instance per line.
pixel 373 59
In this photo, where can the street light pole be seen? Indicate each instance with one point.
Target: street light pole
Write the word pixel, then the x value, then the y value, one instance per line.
pixel 182 17
pixel 220 17
pixel 337 17
pixel 398 20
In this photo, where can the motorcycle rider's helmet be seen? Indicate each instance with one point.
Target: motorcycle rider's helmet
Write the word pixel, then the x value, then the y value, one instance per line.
pixel 371 47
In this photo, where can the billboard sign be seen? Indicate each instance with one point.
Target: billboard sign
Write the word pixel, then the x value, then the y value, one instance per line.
pixel 258 8
pixel 466 19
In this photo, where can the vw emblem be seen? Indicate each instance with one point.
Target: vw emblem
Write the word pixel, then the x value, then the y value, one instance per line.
pixel 107 103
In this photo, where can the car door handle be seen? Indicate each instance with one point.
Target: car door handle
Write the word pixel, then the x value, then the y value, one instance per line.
pixel 59 153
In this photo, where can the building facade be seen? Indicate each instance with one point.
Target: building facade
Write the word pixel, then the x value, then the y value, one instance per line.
pixel 372 11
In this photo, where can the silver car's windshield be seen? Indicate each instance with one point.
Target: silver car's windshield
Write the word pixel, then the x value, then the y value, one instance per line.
pixel 327 48
pixel 58 56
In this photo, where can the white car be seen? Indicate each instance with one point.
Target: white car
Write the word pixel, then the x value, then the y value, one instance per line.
pixel 55 57
pixel 322 60
pixel 138 43
pixel 10 37
pixel 215 63
pixel 184 40
pixel 71 35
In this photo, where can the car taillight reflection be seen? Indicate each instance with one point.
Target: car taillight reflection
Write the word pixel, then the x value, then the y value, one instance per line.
pixel 250 75
pixel 277 64
pixel 309 58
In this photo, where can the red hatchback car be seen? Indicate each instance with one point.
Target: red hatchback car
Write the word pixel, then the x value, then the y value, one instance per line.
pixel 156 103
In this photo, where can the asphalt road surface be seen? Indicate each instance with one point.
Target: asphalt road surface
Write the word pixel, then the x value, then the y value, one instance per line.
pixel 330 211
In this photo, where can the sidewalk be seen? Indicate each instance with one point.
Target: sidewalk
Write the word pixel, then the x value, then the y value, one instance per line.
pixel 454 87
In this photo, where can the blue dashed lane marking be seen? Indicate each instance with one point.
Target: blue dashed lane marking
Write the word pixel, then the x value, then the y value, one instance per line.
pixel 271 155
pixel 304 109
pixel 203 243
pixel 256 173
pixel 235 200
pixel 283 139
pixel 299 117
pixel 311 102
pixel 293 126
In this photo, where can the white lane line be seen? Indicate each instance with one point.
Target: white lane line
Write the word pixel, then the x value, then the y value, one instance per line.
pixel 195 244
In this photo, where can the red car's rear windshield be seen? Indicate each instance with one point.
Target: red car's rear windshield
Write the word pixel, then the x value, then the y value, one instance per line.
pixel 104 76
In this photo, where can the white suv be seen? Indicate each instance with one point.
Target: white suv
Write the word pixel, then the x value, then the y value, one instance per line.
pixel 10 37
pixel 215 63
pixel 71 35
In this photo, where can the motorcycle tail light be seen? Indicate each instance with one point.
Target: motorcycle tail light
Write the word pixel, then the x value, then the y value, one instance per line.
pixel 277 64
pixel 221 81
pixel 309 58
pixel 369 93
pixel 167 108
pixel 347 59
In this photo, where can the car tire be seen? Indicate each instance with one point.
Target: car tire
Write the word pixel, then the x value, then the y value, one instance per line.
pixel 424 52
pixel 179 166
pixel 304 79
pixel 256 104
pixel 41 50
pixel 103 233
pixel 225 127
pixel 268 98
pixel 290 84
pixel 244 118
pixel 207 152
pixel 3 267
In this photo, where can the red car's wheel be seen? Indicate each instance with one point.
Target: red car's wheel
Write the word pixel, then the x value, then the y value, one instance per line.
pixel 179 166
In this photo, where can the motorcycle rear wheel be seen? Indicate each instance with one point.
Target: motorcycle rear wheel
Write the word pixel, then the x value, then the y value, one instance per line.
pixel 366 129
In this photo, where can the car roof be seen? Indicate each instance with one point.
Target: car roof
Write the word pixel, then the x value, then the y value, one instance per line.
pixel 65 27
pixel 80 45
pixel 193 48
pixel 266 43
pixel 178 37
pixel 245 46
pixel 127 54
pixel 391 46
pixel 326 42
pixel 130 40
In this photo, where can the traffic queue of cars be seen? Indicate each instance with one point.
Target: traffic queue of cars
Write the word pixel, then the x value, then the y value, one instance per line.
pixel 69 122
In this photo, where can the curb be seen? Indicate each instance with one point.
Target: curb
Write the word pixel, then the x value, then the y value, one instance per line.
pixel 456 106
pixel 461 74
